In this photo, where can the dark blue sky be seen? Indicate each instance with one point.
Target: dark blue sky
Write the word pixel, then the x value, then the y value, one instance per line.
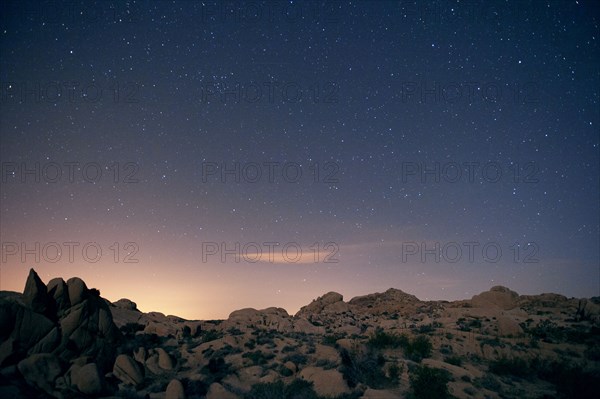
pixel 439 126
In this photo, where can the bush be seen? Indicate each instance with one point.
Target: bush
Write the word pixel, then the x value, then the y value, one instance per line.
pixel 331 339
pixel 381 340
pixel 211 335
pixel 510 366
pixel 366 368
pixel 216 370
pixel 454 360
pixel 419 348
pixel 130 329
pixel 258 357
pixel 296 358
pixel 488 381
pixel 429 383
pixel 297 389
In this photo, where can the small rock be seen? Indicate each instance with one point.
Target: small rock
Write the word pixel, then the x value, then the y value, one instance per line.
pixel 164 360
pixel 175 390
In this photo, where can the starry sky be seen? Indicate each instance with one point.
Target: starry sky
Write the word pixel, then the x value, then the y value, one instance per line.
pixel 201 157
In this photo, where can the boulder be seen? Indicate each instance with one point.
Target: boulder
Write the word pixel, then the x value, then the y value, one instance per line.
pixel 128 371
pixel 326 382
pixel 164 359
pixel 302 325
pixel 41 370
pixel 57 289
pixel 497 297
pixel 126 304
pixel 30 327
pixel 140 354
pixel 87 379
pixel 78 291
pixel 175 390
pixel 508 327
pixel 317 305
pixel 217 391
pixel 35 295
pixel 46 344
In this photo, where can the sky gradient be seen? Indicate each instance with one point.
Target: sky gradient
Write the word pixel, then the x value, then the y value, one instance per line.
pixel 439 148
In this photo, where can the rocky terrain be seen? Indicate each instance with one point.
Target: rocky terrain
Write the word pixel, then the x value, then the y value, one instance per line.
pixel 62 339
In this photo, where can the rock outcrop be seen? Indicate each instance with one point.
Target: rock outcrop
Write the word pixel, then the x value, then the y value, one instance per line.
pixel 50 327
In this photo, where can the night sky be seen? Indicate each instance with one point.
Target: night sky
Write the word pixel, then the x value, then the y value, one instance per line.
pixel 440 148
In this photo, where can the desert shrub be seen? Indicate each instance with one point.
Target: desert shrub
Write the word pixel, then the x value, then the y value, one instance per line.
pixel 186 332
pixel 454 360
pixel 250 344
pixel 216 370
pixel 426 329
pixel 284 371
pixel 288 349
pixel 547 331
pixel 331 339
pixel 326 364
pixel 297 389
pixel 488 381
pixel 210 335
pixel 394 373
pixel 266 338
pixel 380 340
pixel 446 349
pixel 516 366
pixel 419 348
pixel 493 342
pixel 225 351
pixel 593 353
pixel 194 387
pixel 258 358
pixel 144 340
pixel 296 358
pixel 571 380
pixel 235 331
pixel 429 383
pixel 130 329
pixel 365 367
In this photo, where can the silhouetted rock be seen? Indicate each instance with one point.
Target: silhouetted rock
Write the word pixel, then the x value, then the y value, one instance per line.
pixel 128 371
pixel 41 371
pixel 57 289
pixel 78 291
pixel 125 303
pixel 35 296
